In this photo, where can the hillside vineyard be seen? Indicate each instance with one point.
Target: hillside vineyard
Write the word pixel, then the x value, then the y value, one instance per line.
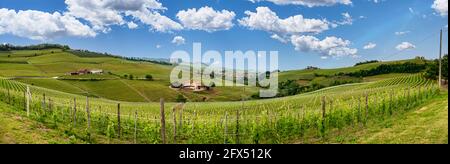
pixel 259 121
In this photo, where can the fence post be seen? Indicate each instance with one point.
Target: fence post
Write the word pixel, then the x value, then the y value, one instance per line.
pixel 323 107
pixel 74 112
pixel 226 129
pixel 135 126
pixel 43 101
pixel 118 120
pixel 88 113
pixel 174 114
pixel 163 122
pixel 9 97
pixel 28 101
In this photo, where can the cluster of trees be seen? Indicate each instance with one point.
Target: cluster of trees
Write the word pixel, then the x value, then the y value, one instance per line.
pixel 10 47
pixel 367 62
pixel 132 77
pixel 432 71
pixel 87 53
pixel 147 60
pixel 291 87
pixel 407 67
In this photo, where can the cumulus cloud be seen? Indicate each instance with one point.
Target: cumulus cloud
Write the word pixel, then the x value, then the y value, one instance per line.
pixel 329 47
pixel 370 46
pixel 267 20
pixel 39 25
pixel 206 19
pixel 308 3
pixel 441 6
pixel 103 13
pixel 155 20
pixel 132 25
pixel 179 40
pixel 405 46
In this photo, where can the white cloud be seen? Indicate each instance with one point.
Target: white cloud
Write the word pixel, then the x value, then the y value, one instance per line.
pixel 348 20
pixel 103 13
pixel 441 6
pixel 329 47
pixel 267 20
pixel 370 46
pixel 39 25
pixel 132 25
pixel 179 40
pixel 155 20
pixel 277 37
pixel 309 3
pixel 207 19
pixel 400 33
pixel 405 46
pixel 158 46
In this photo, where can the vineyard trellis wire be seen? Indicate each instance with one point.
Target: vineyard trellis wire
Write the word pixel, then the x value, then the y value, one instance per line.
pixel 265 121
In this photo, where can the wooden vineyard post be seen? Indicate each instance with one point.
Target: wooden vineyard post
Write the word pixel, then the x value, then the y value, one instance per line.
pixel 226 129
pixel 88 113
pixel 74 112
pixel 323 108
pixel 174 114
pixel 118 120
pixel 9 97
pixel 135 126
pixel 43 101
pixel 28 95
pixel 163 122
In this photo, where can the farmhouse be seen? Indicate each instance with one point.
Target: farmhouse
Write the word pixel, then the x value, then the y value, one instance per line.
pixel 195 86
pixel 86 72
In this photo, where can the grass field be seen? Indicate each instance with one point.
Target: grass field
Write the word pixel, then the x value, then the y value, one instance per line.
pixel 425 124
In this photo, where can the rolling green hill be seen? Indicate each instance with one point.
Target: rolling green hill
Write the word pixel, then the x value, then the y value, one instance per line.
pixel 39 67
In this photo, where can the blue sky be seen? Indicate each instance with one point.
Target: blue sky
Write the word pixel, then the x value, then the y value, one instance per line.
pixel 416 23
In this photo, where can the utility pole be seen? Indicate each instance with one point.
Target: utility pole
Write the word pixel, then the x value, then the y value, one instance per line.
pixel 440 62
